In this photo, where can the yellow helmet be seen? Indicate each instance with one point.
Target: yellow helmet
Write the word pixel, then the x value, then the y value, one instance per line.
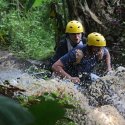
pixel 96 39
pixel 74 27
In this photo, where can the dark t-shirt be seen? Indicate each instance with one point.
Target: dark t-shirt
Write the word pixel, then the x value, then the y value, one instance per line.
pixel 63 49
pixel 85 66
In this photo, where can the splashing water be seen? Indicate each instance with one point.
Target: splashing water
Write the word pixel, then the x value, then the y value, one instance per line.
pixel 103 101
pixel 110 90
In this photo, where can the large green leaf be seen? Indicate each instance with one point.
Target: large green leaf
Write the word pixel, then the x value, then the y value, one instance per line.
pixel 12 113
pixel 50 109
pixel 33 3
pixel 37 3
pixel 47 112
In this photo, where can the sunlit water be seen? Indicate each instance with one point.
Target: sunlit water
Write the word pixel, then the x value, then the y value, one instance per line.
pixel 9 74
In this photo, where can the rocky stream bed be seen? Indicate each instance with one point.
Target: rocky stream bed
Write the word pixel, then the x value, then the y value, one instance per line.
pixel 102 103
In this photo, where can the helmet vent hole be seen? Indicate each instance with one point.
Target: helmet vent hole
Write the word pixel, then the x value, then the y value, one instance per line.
pixel 97 40
pixel 70 26
pixel 78 26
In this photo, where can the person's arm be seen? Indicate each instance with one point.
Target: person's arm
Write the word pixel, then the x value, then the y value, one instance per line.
pixel 104 54
pixel 79 56
pixel 108 61
pixel 66 60
pixel 58 69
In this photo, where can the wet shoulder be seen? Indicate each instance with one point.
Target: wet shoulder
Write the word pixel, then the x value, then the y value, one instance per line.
pixel 105 51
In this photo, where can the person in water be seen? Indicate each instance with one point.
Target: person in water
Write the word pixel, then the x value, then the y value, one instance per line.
pixel 74 37
pixel 69 66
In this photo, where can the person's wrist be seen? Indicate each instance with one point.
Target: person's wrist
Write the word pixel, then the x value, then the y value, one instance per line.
pixel 69 77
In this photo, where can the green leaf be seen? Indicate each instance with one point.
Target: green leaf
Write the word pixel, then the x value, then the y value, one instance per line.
pixel 33 3
pixel 49 97
pixel 37 3
pixel 12 113
pixel 69 106
pixel 47 112
pixel 29 4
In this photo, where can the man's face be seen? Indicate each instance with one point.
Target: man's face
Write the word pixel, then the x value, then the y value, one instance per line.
pixel 96 49
pixel 75 37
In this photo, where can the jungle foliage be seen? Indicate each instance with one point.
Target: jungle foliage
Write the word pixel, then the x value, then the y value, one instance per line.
pixel 26 29
pixel 32 28
pixel 47 109
pixel 12 113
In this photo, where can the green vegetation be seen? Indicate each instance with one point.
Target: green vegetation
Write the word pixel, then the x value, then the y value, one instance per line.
pixel 51 110
pixel 47 109
pixel 12 113
pixel 28 33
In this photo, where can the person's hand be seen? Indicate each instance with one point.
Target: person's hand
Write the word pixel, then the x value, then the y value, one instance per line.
pixel 79 55
pixel 75 79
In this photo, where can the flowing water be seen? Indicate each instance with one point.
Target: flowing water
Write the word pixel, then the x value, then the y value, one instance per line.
pixel 103 101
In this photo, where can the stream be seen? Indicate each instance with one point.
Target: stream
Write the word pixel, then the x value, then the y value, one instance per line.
pixel 104 100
